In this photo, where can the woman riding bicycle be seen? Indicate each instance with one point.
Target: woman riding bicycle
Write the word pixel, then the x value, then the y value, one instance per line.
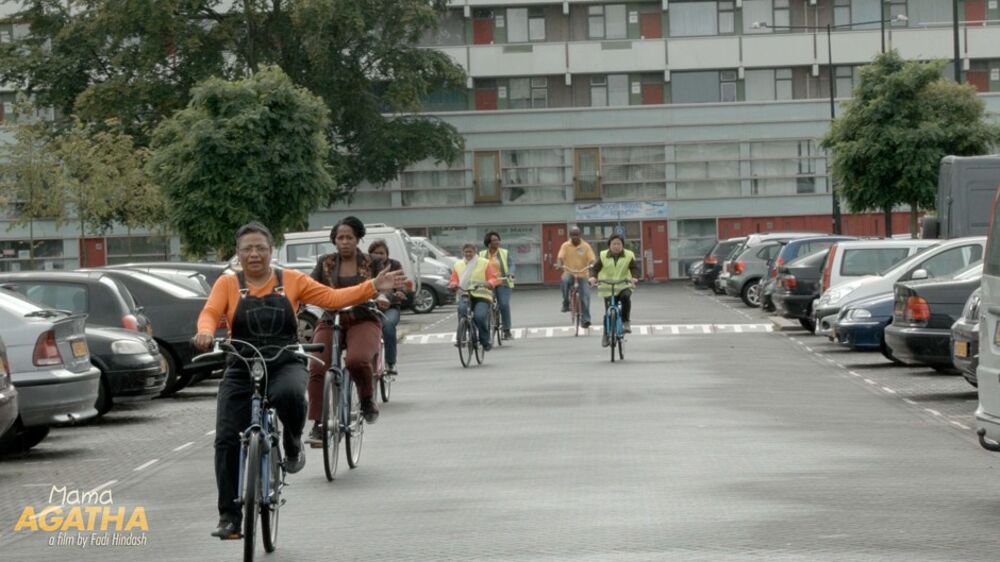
pixel 616 263
pixel 361 328
pixel 476 275
pixel 390 312
pixel 259 304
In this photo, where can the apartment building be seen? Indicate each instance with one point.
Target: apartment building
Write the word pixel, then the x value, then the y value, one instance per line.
pixel 673 122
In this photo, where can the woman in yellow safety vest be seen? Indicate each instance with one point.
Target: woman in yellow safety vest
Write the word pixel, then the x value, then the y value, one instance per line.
pixel 470 271
pixel 616 263
pixel 500 259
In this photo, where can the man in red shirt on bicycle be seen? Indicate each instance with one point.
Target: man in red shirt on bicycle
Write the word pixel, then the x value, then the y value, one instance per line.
pixel 574 259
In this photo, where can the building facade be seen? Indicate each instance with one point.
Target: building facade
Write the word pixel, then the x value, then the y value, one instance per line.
pixel 674 122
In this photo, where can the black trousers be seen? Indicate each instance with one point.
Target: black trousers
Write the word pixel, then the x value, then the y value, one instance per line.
pixel 286 390
pixel 625 299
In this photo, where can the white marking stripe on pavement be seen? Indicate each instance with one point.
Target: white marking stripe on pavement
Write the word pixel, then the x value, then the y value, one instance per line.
pixel 184 446
pixel 637 330
pixel 145 465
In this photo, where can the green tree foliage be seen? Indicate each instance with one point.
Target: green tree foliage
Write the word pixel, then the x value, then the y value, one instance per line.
pixel 247 150
pixel 135 61
pixel 903 119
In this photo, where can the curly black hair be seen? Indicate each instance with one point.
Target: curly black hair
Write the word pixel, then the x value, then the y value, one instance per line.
pixel 490 234
pixel 618 236
pixel 354 223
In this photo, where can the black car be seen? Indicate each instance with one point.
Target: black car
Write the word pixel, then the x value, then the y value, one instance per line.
pixel 924 313
pixel 798 286
pixel 8 394
pixel 174 311
pixel 197 276
pixel 712 263
pixel 433 293
pixel 118 333
pixel 965 339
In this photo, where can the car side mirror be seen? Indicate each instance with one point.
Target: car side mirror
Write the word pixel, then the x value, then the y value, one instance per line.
pixel 920 274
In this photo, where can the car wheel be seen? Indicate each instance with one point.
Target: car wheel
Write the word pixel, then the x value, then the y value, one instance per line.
pixel 175 379
pixel 307 325
pixel 808 324
pixel 751 293
pixel 19 439
pixel 887 353
pixel 104 402
pixel 424 301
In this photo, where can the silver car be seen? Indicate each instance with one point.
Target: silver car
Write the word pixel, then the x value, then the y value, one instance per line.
pixel 8 394
pixel 50 365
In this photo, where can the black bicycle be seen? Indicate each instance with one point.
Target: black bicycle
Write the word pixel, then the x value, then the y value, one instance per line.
pixel 262 467
pixel 467 336
pixel 496 319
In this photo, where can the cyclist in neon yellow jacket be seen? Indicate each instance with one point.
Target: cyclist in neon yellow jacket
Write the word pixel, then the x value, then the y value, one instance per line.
pixel 466 273
pixel 504 265
pixel 616 263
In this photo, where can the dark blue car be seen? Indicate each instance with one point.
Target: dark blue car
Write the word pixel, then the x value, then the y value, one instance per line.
pixel 861 324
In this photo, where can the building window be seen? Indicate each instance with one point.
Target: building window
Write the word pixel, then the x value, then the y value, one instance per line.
pixel 783 84
pixel 587 173
pixel 897 8
pixel 598 91
pixel 534 176
pixel 782 14
pixel 125 249
pixel 727 18
pixel 784 168
pixel 517 25
pixel 536 24
pixel 694 238
pixel 707 170
pixel 427 184
pixel 841 12
pixel 618 90
pixel 695 87
pixel 539 93
pixel 757 11
pixel 633 172
pixel 25 255
pixel 486 175
pixel 845 81
pixel 727 85
pixel 607 22
pixel 690 19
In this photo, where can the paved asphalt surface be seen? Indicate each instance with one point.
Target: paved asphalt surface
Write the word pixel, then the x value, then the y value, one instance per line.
pixel 709 442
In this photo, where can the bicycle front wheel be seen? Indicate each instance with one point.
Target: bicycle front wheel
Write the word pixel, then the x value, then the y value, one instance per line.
pixel 464 342
pixel 271 504
pixel 332 430
pixel 496 327
pixel 356 431
pixel 251 495
pixel 385 387
pixel 612 330
pixel 621 348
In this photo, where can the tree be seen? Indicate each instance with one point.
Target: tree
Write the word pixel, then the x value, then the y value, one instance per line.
pixel 135 60
pixel 29 173
pixel 252 149
pixel 903 119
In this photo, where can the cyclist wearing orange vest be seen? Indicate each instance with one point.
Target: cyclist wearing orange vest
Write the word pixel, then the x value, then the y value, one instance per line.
pixel 466 274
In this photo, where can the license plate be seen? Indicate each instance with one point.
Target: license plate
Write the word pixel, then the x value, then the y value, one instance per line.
pixel 961 349
pixel 80 348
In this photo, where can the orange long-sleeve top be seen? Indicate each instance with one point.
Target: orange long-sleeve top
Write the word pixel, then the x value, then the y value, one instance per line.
pixel 299 288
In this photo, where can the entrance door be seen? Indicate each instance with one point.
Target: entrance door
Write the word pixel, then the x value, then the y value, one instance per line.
pixel 93 252
pixel 553 236
pixel 655 258
pixel 650 26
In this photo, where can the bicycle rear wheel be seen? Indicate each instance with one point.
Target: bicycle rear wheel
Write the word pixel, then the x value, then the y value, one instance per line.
pixel 251 496
pixel 356 431
pixel 575 308
pixel 271 504
pixel 496 326
pixel 477 347
pixel 612 330
pixel 464 342
pixel 383 379
pixel 621 348
pixel 332 430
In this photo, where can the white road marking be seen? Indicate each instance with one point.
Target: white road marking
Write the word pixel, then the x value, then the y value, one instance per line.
pixel 960 425
pixel 932 412
pixel 869 381
pixel 854 373
pixel 145 465
pixel 184 446
pixel 910 402
pixel 210 432
pixel 889 390
pixel 638 331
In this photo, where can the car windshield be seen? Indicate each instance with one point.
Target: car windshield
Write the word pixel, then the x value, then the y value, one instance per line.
pixel 191 280
pixel 872 261
pixel 162 284
pixel 812 260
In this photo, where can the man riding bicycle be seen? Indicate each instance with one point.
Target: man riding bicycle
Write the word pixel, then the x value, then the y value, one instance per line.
pixel 476 275
pixel 260 304
pixel 616 263
pixel 575 260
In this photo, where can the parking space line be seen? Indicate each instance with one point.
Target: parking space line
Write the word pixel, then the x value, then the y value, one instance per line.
pixel 960 425
pixel 210 432
pixel 910 402
pixel 869 381
pixel 932 412
pixel 889 390
pixel 854 373
pixel 184 446
pixel 145 465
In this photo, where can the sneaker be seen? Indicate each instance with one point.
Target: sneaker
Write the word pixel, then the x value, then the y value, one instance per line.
pixel 369 410
pixel 585 325
pixel 605 341
pixel 315 438
pixel 507 335
pixel 391 371
pixel 626 328
pixel 487 347
pixel 296 458
pixel 227 530
pixel 565 308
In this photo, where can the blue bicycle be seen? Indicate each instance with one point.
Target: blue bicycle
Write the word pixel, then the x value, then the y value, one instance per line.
pixel 613 328
pixel 262 467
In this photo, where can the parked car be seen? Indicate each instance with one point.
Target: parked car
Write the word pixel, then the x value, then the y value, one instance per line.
pixel 694 270
pixel 197 276
pixel 965 339
pixel 939 261
pixel 792 250
pixel 118 334
pixel 8 393
pixel 924 312
pixel 712 264
pixel 860 258
pixel 434 251
pixel 748 269
pixel 50 366
pixel 860 325
pixel 752 241
pixel 798 288
pixel 173 311
pixel 433 293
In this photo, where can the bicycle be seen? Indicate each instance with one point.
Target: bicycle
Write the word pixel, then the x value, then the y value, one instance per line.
pixel 341 417
pixel 382 379
pixel 613 318
pixel 262 467
pixel 574 299
pixel 496 320
pixel 467 336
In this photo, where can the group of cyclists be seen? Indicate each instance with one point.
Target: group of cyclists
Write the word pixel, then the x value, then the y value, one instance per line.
pixel 260 304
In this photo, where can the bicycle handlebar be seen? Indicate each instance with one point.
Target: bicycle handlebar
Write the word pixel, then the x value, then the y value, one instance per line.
pixel 224 346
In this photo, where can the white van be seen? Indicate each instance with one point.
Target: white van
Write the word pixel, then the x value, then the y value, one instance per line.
pixel 306 247
pixel 854 259
pixel 988 371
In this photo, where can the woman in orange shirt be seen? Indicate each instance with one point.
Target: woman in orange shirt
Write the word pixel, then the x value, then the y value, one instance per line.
pixel 260 303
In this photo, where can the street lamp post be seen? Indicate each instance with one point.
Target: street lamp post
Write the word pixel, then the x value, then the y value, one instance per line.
pixel 831 77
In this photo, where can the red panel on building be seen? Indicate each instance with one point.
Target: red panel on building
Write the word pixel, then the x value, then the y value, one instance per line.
pixel 867 224
pixel 654 250
pixel 980 79
pixel 482 31
pixel 651 25
pixel 652 94
pixel 975 12
pixel 486 99
pixel 553 236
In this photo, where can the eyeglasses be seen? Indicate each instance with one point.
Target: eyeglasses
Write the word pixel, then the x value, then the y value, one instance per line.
pixel 247 250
